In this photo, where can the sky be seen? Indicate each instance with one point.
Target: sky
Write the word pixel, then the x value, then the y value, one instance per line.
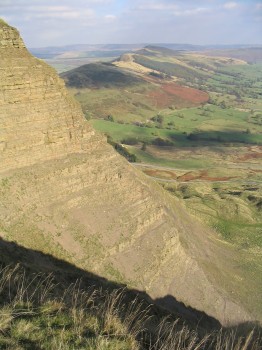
pixel 64 22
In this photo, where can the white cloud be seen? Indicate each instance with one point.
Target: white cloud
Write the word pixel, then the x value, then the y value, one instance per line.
pixel 57 12
pixel 104 21
pixel 157 6
pixel 230 5
pixel 49 8
pixel 191 12
pixel 110 17
pixel 59 15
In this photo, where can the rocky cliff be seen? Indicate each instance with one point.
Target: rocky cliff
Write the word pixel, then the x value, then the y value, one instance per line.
pixel 39 120
pixel 64 190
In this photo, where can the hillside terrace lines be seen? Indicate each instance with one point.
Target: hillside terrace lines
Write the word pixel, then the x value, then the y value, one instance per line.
pixel 50 121
pixel 167 250
pixel 136 238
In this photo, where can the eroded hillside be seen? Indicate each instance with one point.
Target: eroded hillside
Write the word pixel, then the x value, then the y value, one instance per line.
pixel 64 191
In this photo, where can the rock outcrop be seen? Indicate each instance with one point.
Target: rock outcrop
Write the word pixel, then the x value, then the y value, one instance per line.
pixel 39 120
pixel 64 190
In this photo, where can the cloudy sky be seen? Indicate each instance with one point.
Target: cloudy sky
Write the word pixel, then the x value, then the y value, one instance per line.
pixel 61 22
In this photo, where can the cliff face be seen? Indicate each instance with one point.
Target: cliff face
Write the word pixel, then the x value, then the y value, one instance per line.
pixel 64 190
pixel 39 120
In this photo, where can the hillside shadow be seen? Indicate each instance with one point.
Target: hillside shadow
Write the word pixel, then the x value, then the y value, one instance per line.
pixel 213 137
pixel 64 274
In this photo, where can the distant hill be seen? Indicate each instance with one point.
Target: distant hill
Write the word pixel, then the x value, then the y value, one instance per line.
pixel 151 50
pixel 84 50
pixel 97 75
pixel 251 54
pixel 170 62
pixel 54 51
pixel 65 58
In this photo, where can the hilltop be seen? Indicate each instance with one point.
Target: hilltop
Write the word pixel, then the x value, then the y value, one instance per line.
pixel 97 75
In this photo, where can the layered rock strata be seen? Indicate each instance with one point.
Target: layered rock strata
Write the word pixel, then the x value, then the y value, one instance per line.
pixel 39 120
pixel 64 190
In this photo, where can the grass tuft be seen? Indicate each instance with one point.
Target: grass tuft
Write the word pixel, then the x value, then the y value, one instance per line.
pixel 36 313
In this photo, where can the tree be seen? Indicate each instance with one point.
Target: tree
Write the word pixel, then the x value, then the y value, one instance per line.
pixel 143 148
pixel 160 119
pixel 110 118
pixel 223 104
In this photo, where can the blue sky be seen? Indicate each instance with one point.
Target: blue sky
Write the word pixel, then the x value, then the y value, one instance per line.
pixel 61 22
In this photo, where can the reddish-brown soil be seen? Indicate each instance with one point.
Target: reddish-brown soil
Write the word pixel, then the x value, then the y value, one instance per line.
pixel 181 96
pixel 186 93
pixel 202 175
pixel 160 99
pixel 253 155
pixel 160 173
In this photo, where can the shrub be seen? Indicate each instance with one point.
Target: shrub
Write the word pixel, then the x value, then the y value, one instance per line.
pixel 130 141
pixel 161 142
pixel 110 118
pixel 122 150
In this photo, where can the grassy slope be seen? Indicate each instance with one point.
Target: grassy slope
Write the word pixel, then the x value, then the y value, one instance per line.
pixel 57 311
pixel 210 124
pixel 179 70
pixel 124 104
pixel 97 75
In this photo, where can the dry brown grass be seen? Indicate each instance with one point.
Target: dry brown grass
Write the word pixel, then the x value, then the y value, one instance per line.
pixel 36 313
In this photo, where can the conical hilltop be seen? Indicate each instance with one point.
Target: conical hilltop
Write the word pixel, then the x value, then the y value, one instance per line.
pixel 66 192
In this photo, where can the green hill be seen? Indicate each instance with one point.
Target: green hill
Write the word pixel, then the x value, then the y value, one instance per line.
pixel 151 50
pixel 98 75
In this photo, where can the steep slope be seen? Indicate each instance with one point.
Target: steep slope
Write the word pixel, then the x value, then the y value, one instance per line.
pixel 63 190
pixel 38 118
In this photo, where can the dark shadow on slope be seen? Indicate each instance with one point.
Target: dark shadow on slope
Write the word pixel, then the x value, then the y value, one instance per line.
pixel 215 138
pixel 226 136
pixel 99 75
pixel 170 304
pixel 64 274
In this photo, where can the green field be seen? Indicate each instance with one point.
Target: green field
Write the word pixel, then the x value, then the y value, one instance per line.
pixel 188 127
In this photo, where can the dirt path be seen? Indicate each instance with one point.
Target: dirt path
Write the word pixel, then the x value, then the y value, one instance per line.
pixel 201 181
